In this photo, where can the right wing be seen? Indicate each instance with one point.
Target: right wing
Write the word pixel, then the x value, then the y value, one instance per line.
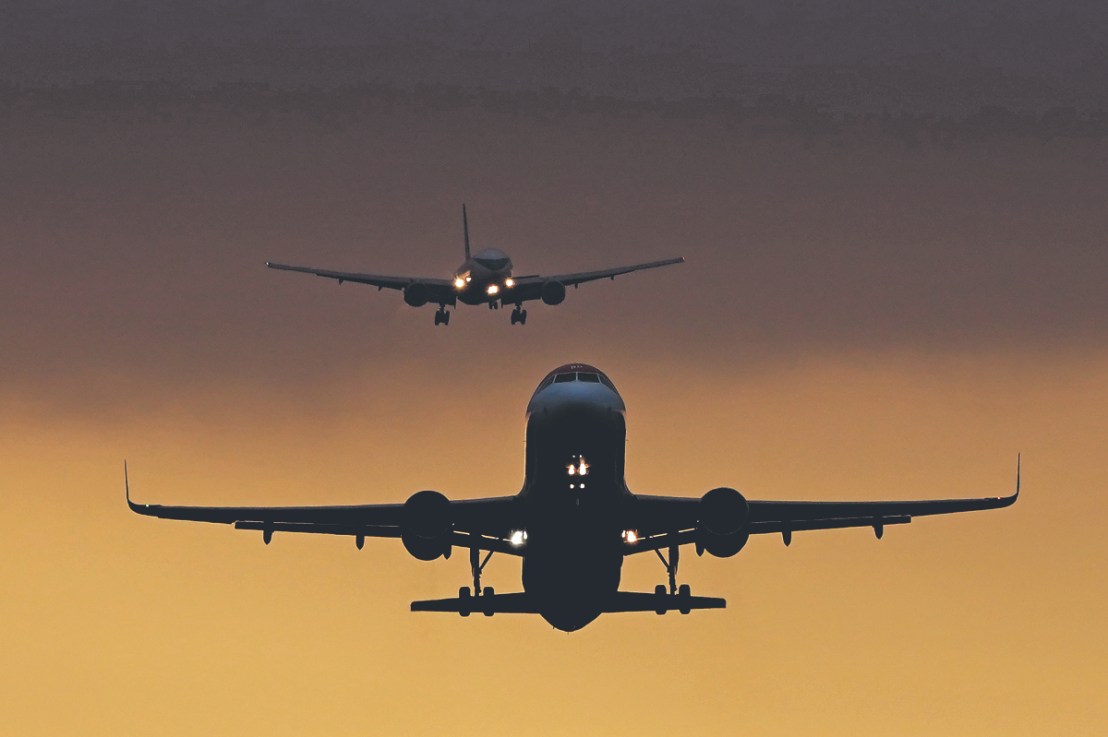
pixel 439 290
pixel 482 523
pixel 665 521
pixel 529 287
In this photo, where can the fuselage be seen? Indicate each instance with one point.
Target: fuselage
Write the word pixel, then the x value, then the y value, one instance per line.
pixel 485 277
pixel 574 490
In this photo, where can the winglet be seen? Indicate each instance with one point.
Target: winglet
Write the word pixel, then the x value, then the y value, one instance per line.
pixel 127 491
pixel 1018 474
pixel 465 228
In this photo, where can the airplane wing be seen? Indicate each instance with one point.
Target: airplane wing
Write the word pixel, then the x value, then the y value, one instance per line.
pixel 439 290
pixel 664 521
pixel 482 523
pixel 530 287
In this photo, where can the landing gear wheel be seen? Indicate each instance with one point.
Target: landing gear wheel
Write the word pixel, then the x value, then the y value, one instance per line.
pixel 515 316
pixel 465 601
pixel 487 595
pixel 442 317
pixel 661 595
pixel 684 594
pixel 523 317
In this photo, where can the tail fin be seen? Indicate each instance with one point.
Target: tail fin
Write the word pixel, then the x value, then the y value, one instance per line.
pixel 465 227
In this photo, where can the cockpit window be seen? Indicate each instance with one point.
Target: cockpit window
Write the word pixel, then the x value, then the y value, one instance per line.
pixel 565 377
pixel 493 264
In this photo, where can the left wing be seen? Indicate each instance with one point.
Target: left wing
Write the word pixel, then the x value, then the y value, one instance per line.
pixel 530 287
pixel 665 521
pixel 438 290
pixel 482 523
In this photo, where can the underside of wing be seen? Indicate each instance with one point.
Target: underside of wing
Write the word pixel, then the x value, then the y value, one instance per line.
pixel 552 288
pixel 724 513
pixel 435 290
pixel 585 276
pixel 437 522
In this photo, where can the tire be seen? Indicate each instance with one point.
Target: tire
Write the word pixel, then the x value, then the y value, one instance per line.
pixel 488 592
pixel 684 594
pixel 661 595
pixel 465 601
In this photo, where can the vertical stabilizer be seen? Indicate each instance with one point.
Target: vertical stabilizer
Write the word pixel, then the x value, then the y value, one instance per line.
pixel 465 228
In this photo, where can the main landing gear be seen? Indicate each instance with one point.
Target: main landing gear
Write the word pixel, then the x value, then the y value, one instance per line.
pixel 682 594
pixel 471 601
pixel 442 317
pixel 519 315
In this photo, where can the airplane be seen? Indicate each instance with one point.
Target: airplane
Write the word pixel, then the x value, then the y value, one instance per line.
pixel 574 520
pixel 483 278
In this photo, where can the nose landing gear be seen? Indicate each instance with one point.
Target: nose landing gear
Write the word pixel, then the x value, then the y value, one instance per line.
pixel 442 317
pixel 519 315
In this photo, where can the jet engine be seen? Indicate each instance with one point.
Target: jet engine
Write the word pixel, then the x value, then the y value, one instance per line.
pixel 723 528
pixel 553 292
pixel 426 526
pixel 416 294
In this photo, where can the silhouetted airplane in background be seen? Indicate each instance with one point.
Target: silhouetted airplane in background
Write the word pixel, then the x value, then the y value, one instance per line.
pixel 574 520
pixel 485 278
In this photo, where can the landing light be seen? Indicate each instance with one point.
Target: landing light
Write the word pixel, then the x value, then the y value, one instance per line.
pixel 493 289
pixel 509 282
pixel 630 537
pixel 517 538
pixel 459 283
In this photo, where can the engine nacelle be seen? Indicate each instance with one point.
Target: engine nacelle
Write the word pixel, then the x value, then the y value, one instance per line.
pixel 426 525
pixel 724 516
pixel 416 294
pixel 553 292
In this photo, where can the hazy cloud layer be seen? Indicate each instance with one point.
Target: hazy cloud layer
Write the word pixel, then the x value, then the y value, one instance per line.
pixel 952 56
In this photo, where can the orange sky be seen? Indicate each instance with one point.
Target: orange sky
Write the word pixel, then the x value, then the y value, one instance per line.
pixel 857 320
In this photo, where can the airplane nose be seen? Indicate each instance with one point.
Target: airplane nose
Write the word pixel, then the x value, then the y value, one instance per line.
pixel 581 400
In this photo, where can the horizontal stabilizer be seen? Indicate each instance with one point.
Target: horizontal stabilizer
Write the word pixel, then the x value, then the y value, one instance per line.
pixel 519 603
pixel 522 603
pixel 636 601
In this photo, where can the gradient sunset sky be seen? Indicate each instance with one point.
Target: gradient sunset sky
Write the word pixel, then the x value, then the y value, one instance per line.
pixel 895 227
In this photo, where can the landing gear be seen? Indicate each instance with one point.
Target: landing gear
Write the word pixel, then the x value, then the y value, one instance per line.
pixel 442 317
pixel 479 600
pixel 519 315
pixel 675 597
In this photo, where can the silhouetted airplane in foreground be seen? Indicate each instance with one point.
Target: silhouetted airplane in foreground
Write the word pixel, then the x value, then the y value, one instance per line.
pixel 485 278
pixel 574 520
